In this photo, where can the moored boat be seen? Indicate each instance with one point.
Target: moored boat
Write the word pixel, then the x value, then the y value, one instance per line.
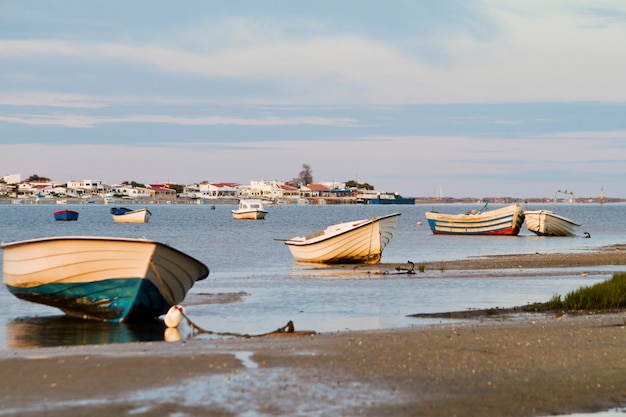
pixel 66 215
pixel 548 223
pixel 505 221
pixel 359 241
pixel 249 210
pixel 101 278
pixel 126 215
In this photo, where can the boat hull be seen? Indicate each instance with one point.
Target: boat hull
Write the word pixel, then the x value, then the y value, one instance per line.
pixel 506 221
pixel 130 216
pixel 547 223
pixel 111 279
pixel 361 241
pixel 249 215
pixel 66 215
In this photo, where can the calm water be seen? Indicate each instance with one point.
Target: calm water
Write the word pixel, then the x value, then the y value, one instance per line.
pixel 245 259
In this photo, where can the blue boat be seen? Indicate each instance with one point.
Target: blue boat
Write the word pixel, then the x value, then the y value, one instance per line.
pixel 66 215
pixel 100 278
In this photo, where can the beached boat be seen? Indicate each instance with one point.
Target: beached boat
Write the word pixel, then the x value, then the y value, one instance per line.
pixel 359 241
pixel 66 215
pixel 126 215
pixel 101 278
pixel 249 210
pixel 548 223
pixel 503 221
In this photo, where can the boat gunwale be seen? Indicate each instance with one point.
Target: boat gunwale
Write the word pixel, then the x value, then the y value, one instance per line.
pixel 204 274
pixel 315 240
pixel 552 214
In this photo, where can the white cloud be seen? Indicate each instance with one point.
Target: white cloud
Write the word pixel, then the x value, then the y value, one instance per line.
pixel 48 99
pixel 73 120
pixel 555 52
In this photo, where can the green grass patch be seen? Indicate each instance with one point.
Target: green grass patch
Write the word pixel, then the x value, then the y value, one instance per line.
pixel 607 295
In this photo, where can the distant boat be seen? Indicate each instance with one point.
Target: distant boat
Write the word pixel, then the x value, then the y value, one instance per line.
pixel 66 215
pixel 249 210
pixel 125 215
pixel 548 223
pixel 359 241
pixel 101 278
pixel 503 221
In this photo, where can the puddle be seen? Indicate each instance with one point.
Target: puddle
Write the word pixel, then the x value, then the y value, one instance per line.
pixel 244 358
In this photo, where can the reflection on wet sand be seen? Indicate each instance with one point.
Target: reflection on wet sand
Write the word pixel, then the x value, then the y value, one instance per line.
pixel 37 332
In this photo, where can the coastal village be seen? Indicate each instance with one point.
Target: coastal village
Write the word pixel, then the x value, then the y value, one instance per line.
pixel 15 190
pixel 40 191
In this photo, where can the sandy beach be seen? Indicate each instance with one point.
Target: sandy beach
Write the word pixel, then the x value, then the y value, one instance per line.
pixel 516 365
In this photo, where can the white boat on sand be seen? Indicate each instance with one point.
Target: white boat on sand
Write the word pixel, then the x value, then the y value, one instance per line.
pixel 548 223
pixel 101 278
pixel 125 215
pixel 505 221
pixel 249 210
pixel 359 241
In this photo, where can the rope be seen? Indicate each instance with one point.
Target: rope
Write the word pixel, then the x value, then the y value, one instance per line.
pixel 287 328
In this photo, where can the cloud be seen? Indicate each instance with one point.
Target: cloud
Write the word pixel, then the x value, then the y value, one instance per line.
pixel 560 51
pixel 47 99
pixel 78 121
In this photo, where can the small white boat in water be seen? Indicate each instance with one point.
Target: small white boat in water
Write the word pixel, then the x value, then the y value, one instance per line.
pixel 548 223
pixel 100 278
pixel 360 241
pixel 249 210
pixel 125 215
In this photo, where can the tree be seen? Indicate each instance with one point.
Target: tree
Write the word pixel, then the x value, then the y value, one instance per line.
pixel 306 175
pixel 134 184
pixel 355 184
pixel 36 177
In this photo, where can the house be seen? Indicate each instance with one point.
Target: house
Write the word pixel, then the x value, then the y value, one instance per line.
pixel 266 189
pixel 219 190
pixel 12 179
pixel 289 191
pixel 314 190
pixel 162 191
pixel 130 192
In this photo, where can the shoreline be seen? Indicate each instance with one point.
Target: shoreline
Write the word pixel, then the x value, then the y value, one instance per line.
pixel 530 364
pixel 603 256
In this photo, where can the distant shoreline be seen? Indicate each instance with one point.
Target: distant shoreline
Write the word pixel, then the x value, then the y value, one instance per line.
pixel 310 200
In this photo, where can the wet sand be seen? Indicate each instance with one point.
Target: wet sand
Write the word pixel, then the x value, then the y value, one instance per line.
pixel 515 365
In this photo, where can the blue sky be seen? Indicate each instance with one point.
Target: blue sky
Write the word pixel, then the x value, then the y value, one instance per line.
pixel 464 98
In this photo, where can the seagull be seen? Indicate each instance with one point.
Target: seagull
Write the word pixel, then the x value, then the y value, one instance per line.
pixel 587 235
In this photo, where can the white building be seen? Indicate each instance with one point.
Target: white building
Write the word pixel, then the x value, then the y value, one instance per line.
pixel 12 179
pixel 90 186
pixel 267 189
pixel 130 192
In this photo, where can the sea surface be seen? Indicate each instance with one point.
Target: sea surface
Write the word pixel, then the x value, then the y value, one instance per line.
pixel 256 287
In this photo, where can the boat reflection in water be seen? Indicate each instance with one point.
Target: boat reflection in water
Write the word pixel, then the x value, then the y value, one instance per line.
pixel 38 332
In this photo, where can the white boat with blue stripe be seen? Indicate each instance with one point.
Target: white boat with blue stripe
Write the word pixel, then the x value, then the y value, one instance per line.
pixel 505 221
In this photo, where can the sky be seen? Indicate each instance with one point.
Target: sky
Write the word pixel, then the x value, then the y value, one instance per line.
pixel 455 98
